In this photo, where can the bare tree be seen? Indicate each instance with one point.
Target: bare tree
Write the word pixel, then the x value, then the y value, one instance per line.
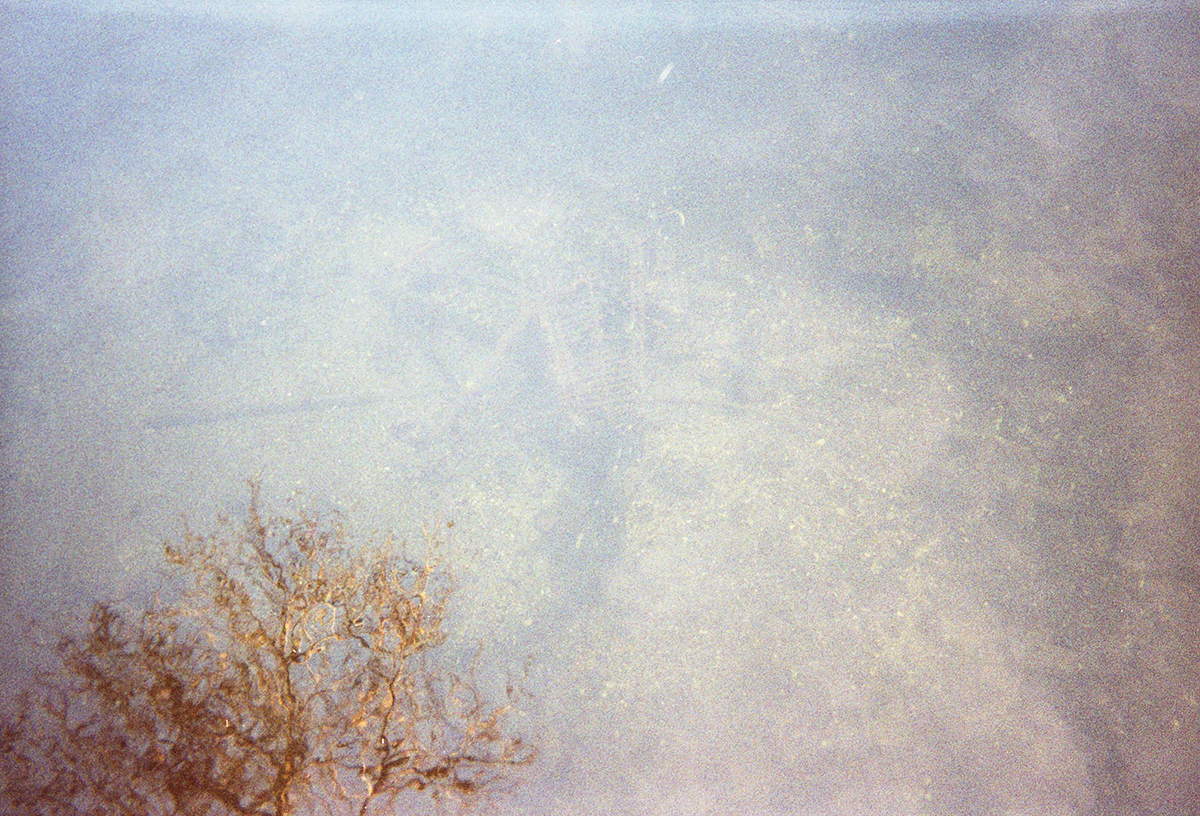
pixel 294 674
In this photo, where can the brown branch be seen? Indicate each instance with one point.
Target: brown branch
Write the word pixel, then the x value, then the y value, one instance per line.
pixel 293 668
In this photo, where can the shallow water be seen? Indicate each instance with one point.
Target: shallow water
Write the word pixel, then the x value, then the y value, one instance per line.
pixel 814 414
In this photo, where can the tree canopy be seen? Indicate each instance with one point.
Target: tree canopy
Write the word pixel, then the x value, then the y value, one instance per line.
pixel 293 673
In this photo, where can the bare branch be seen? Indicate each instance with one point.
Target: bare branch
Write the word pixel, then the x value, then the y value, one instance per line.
pixel 294 671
